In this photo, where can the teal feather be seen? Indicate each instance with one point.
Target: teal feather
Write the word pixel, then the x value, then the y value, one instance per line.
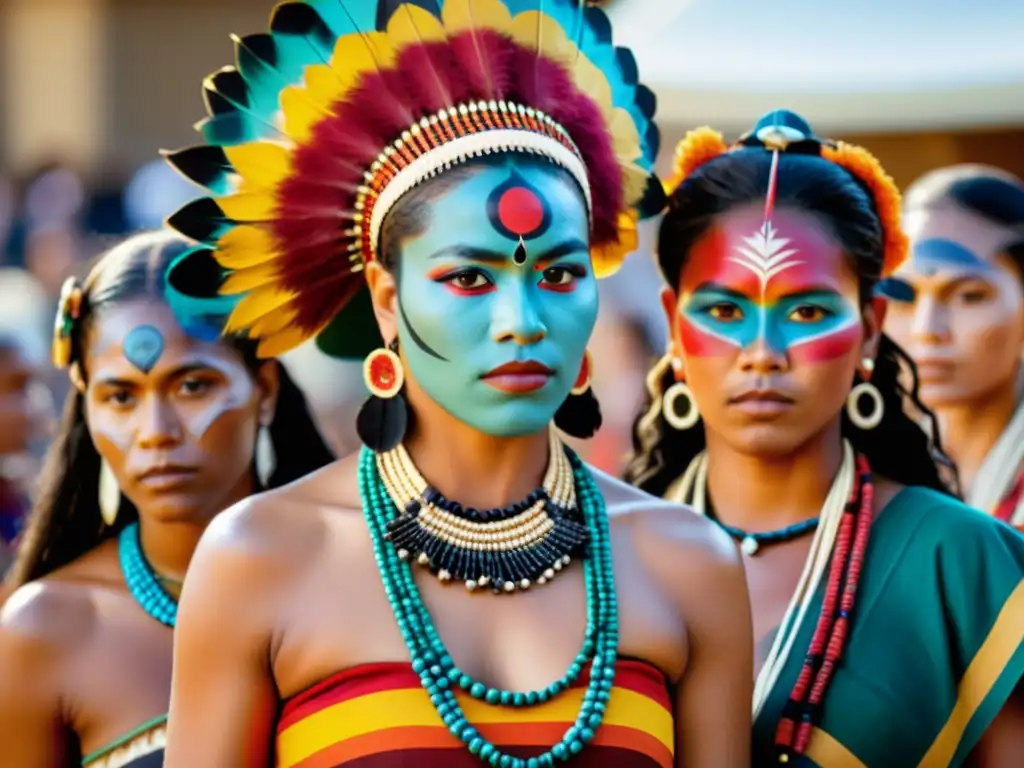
pixel 193 293
pixel 228 129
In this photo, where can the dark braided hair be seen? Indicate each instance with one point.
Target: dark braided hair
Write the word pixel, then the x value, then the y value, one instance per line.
pixel 65 521
pixel 905 445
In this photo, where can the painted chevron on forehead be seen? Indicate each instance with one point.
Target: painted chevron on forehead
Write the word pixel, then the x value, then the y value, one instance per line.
pixel 766 254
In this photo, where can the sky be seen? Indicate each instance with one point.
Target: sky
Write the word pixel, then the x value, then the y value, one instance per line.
pixel 856 45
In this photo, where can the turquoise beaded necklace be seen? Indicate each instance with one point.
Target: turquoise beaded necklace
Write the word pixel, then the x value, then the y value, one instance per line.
pixel 141 579
pixel 439 675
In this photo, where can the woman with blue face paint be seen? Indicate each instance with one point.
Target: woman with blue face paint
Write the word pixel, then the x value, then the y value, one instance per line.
pixel 436 188
pixel 957 306
pixel 888 617
pixel 158 435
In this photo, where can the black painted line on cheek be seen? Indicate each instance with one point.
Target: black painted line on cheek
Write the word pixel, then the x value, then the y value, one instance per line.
pixel 416 338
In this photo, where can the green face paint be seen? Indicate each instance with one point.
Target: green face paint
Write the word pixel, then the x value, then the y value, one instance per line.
pixel 497 298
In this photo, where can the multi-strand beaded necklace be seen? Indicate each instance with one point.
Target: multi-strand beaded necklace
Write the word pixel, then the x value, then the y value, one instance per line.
pixel 385 502
pixel 838 546
pixel 143 582
pixel 507 549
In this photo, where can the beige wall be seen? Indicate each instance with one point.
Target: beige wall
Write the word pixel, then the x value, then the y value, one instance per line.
pixel 54 76
pixel 160 53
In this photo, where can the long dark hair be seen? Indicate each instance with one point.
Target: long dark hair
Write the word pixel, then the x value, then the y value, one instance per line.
pixel 905 446
pixel 990 193
pixel 65 521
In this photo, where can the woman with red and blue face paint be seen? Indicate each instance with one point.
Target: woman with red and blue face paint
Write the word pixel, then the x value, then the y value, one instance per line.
pixel 888 616
pixel 436 186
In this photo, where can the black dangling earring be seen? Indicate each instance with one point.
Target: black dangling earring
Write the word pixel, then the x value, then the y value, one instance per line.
pixel 384 417
pixel 580 414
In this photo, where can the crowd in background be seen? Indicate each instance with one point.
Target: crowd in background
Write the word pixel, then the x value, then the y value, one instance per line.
pixel 53 225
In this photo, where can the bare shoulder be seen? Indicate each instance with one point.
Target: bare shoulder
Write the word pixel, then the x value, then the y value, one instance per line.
pixel 42 626
pixel 683 551
pixel 61 610
pixel 267 542
pixel 665 526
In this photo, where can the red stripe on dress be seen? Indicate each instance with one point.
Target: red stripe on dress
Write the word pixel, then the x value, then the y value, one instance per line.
pixel 399 746
pixel 365 679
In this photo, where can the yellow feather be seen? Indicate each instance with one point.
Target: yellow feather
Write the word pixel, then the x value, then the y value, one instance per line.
pixel 358 53
pixel 591 81
pixel 244 280
pixel 459 15
pixel 262 301
pixel 285 341
pixel 412 24
pixel 248 206
pixel 625 137
pixel 608 258
pixel 634 182
pixel 300 114
pixel 273 323
pixel 533 30
pixel 261 164
pixel 323 85
pixel 244 246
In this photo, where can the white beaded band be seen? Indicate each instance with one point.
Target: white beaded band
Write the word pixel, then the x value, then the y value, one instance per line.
pixel 464 148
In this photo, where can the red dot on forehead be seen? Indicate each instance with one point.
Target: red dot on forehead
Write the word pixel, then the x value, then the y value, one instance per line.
pixel 520 211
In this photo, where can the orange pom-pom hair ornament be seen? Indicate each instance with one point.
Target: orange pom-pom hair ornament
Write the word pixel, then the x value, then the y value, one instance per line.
pixel 784 131
pixel 346 105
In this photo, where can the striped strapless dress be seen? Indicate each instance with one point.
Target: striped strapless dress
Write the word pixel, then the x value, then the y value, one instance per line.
pixel 378 716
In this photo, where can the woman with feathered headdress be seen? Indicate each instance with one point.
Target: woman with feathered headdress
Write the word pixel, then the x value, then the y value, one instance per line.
pixel 434 186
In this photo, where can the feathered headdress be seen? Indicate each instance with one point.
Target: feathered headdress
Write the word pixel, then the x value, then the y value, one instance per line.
pixel 785 131
pixel 345 105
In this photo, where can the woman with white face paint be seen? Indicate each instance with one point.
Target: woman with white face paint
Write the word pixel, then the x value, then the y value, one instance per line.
pixel 957 306
pixel 159 434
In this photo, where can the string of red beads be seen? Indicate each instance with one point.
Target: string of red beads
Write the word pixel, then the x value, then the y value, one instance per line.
pixel 803 709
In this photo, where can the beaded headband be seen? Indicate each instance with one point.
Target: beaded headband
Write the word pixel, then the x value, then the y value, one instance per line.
pixel 781 131
pixel 327 121
pixel 425 151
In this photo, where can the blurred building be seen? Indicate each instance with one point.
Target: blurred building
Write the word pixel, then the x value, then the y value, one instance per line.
pixel 104 83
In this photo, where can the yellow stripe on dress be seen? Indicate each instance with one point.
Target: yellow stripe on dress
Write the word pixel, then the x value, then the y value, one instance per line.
pixel 412 707
pixel 1003 641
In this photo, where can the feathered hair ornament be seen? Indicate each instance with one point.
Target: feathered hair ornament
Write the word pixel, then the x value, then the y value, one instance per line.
pixel 784 131
pixel 69 312
pixel 345 105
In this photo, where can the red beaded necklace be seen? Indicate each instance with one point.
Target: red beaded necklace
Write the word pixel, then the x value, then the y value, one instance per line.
pixel 803 710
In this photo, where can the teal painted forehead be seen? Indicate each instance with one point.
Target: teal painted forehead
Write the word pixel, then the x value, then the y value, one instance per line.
pixel 516 199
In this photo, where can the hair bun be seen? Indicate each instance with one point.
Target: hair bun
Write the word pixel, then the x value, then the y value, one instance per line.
pixel 781 129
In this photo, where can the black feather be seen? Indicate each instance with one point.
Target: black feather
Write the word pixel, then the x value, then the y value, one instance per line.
pixel 201 220
pixel 302 20
pixel 205 164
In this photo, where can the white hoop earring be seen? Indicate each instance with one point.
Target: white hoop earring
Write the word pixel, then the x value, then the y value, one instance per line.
pixel 677 418
pixel 109 494
pixel 872 419
pixel 265 458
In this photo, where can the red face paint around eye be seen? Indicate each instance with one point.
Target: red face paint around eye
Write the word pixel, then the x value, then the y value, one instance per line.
pixel 745 281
